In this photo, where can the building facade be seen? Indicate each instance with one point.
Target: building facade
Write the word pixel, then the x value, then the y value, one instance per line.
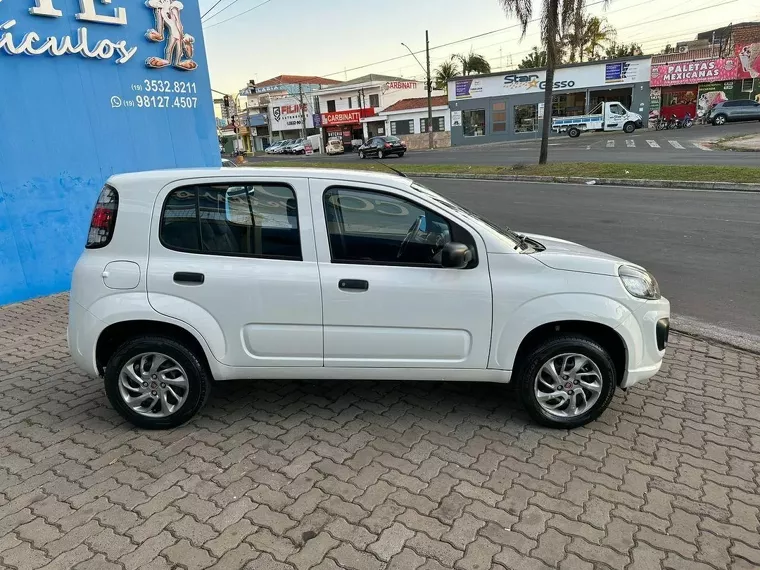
pixel 510 105
pixel 407 119
pixel 349 111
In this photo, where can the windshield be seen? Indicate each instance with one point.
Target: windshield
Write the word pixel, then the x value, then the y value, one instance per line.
pixel 502 231
pixel 392 139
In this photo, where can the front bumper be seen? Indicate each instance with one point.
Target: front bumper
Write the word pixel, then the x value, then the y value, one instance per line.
pixel 645 334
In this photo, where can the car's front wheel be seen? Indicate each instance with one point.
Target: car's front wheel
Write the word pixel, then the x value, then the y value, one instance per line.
pixel 566 381
pixel 155 382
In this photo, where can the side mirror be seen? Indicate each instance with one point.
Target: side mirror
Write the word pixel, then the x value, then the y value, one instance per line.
pixel 455 255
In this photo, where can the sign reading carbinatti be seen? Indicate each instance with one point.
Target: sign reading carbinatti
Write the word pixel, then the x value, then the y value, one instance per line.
pixel 127 87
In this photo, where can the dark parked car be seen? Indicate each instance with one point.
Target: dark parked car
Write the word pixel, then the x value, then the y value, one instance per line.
pixel 382 147
pixel 739 110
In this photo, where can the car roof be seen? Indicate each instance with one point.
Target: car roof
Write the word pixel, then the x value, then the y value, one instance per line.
pixel 150 182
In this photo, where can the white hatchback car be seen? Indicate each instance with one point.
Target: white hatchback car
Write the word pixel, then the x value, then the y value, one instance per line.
pixel 190 276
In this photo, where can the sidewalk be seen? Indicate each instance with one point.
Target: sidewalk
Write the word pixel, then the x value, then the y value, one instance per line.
pixel 741 143
pixel 277 475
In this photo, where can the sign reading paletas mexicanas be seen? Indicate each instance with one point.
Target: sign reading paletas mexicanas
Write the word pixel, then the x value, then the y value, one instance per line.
pixel 178 49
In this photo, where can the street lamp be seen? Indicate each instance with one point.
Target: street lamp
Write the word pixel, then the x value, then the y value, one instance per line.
pixel 429 83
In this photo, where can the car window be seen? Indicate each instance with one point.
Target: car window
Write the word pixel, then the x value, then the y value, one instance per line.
pixel 249 220
pixel 368 227
pixel 617 110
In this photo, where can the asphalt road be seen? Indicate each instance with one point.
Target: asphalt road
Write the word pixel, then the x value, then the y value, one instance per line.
pixel 701 246
pixel 683 146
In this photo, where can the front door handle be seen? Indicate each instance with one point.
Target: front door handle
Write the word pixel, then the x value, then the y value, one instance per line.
pixel 189 278
pixel 353 284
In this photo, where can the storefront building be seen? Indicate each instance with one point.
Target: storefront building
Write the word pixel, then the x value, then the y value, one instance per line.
pixel 510 106
pixel 286 118
pixel 408 118
pixel 349 110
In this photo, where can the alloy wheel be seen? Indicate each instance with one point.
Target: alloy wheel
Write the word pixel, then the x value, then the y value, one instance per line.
pixel 153 385
pixel 568 385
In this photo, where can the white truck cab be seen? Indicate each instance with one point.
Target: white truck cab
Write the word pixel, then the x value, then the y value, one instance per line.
pixel 607 116
pixel 191 276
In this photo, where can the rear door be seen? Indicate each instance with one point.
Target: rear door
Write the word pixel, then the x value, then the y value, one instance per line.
pixel 235 259
pixel 387 302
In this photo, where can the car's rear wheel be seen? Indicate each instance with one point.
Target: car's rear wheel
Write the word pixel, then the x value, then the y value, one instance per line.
pixel 380 154
pixel 719 120
pixel 155 382
pixel 573 132
pixel 361 154
pixel 400 154
pixel 566 381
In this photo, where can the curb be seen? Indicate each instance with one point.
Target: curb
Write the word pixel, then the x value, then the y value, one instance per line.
pixel 634 182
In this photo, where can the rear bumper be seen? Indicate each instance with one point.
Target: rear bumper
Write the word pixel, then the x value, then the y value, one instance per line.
pixel 82 337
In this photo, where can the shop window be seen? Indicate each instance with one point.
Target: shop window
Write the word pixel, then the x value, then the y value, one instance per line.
pixel 331 106
pixel 499 117
pixel 439 125
pixel 402 127
pixel 569 104
pixel 747 85
pixel 526 118
pixel 474 122
pixel 374 100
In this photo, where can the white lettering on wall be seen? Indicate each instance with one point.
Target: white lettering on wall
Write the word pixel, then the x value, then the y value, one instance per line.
pixel 104 49
pixel 45 8
pixel 89 14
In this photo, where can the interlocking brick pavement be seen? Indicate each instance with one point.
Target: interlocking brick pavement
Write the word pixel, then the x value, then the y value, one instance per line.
pixel 297 475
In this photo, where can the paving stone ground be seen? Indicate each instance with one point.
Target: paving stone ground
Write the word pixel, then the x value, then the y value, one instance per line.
pixel 295 475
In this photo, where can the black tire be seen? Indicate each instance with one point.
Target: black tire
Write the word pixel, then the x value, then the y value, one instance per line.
pixel 573 132
pixel 198 377
pixel 552 347
pixel 361 154
pixel 400 154
pixel 380 154
pixel 719 120
pixel 629 127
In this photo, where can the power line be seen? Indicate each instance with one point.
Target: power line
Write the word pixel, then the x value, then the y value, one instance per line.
pixel 233 17
pixel 212 7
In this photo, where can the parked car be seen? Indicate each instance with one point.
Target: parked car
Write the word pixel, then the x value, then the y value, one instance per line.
pixel 299 147
pixel 291 146
pixel 227 163
pixel 738 110
pixel 382 147
pixel 192 275
pixel 279 147
pixel 335 146
pixel 272 148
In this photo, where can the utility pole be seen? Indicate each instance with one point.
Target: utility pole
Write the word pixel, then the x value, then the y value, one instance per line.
pixel 303 111
pixel 429 92
pixel 429 82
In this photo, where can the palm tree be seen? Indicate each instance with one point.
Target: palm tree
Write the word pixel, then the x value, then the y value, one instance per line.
pixel 556 17
pixel 472 63
pixel 446 71
pixel 533 60
pixel 586 35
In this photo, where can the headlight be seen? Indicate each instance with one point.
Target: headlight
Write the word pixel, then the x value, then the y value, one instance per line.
pixel 639 283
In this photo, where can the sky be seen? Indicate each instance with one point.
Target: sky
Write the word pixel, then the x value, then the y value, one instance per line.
pixel 347 39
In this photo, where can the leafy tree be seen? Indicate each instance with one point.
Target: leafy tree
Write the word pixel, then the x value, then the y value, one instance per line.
pixel 447 70
pixel 616 50
pixel 556 18
pixel 533 60
pixel 472 63
pixel 668 49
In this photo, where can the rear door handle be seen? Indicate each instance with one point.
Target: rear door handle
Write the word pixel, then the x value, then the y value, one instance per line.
pixel 353 284
pixel 189 278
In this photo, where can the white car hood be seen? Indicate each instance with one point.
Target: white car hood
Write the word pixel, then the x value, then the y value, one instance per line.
pixel 569 256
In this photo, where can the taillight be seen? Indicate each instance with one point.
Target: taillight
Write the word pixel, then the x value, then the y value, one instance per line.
pixel 388 145
pixel 103 219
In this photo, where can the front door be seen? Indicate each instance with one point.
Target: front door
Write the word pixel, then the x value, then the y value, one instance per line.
pixel 387 302
pixel 615 117
pixel 235 259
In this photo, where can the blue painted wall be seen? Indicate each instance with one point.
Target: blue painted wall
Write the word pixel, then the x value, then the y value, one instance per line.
pixel 68 122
